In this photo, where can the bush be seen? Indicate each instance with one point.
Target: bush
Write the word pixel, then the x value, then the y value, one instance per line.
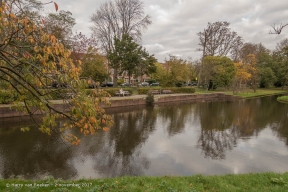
pixel 144 90
pixel 112 91
pixel 181 89
pixel 173 89
pixel 150 99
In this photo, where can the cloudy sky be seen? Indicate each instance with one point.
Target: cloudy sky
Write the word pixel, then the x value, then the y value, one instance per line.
pixel 176 22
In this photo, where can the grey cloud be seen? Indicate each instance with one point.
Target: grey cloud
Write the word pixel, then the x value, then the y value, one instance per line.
pixel 176 22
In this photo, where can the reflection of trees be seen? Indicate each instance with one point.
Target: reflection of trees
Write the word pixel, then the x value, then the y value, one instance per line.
pixel 118 152
pixel 217 133
pixel 175 116
pixel 280 127
pixel 32 154
pixel 113 153
pixel 222 123
pixel 215 143
pixel 131 130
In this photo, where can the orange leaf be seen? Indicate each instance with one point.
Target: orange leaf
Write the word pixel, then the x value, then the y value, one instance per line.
pixel 105 129
pixel 56 6
pixel 103 121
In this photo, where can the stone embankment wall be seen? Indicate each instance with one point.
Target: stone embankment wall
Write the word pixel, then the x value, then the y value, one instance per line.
pixel 6 111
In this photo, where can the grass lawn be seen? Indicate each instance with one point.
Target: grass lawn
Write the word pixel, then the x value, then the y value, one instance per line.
pixel 246 93
pixel 264 182
pixel 283 99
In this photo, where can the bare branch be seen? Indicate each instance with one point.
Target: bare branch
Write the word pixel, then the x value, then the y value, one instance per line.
pixel 277 29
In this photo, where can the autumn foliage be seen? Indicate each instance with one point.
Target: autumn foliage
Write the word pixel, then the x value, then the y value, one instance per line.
pixel 30 60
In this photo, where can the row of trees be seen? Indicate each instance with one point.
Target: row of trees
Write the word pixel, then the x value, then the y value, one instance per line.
pixel 227 62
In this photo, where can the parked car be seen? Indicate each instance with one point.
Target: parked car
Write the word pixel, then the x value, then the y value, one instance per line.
pixel 144 84
pixel 107 84
pixel 194 83
pixel 154 84
pixel 126 84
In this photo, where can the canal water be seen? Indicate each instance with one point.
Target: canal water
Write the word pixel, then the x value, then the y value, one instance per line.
pixel 209 138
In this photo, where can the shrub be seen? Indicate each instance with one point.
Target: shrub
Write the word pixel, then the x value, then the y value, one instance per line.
pixel 150 99
pixel 112 91
pixel 173 89
pixel 144 90
pixel 181 89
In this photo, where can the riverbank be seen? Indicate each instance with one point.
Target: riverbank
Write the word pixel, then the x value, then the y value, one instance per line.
pixel 283 99
pixel 133 100
pixel 264 182
pixel 248 93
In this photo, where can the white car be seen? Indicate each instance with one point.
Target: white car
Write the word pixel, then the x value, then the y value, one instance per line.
pixel 144 84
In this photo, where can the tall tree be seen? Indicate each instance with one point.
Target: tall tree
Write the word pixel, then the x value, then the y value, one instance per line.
pixel 175 70
pixel 217 40
pixel 146 65
pixel 116 18
pixel 277 29
pixel 282 44
pixel 29 60
pixel 218 71
pixel 241 77
pixel 251 61
pixel 93 65
pixel 281 66
pixel 81 45
pixel 130 55
pixel 60 24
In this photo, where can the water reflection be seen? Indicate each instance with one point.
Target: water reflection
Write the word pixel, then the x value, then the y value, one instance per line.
pixel 179 139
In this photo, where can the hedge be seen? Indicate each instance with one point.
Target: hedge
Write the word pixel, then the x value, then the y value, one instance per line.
pixel 173 89
pixel 112 91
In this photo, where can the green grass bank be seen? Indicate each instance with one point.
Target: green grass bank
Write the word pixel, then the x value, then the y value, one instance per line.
pixel 243 182
pixel 283 99
pixel 248 93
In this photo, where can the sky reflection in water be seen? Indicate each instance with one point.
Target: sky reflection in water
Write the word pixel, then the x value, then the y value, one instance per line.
pixel 172 139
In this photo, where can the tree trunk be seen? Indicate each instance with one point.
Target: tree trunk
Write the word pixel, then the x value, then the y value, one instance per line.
pixel 200 71
pixel 115 77
pixel 129 78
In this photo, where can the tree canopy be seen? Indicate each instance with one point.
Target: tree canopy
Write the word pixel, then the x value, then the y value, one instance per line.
pixel 130 56
pixel 218 71
pixel 117 18
pixel 30 59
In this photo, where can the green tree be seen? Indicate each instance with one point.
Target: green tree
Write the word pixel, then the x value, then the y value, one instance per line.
pixel 115 19
pixel 174 71
pixel 178 70
pixel 281 66
pixel 93 65
pixel 218 71
pixel 130 56
pixel 159 72
pixel 29 60
pixel 266 64
pixel 146 66
pixel 218 40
